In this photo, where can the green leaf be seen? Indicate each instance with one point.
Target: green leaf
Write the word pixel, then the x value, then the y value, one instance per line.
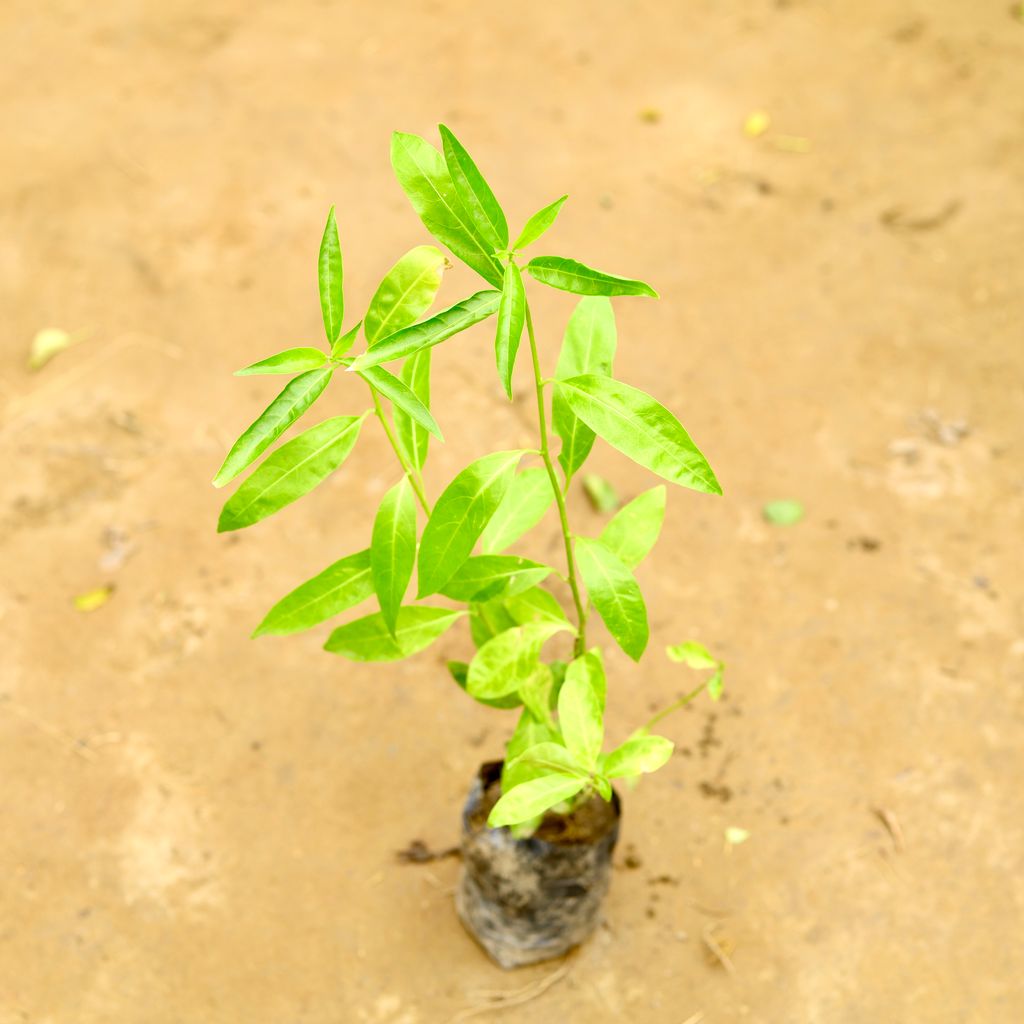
pixel 413 439
pixel 402 397
pixel 529 732
pixel 511 318
pixel 637 756
pixel 535 605
pixel 581 719
pixel 589 670
pixel 459 517
pixel 615 594
pixel 298 395
pixel 538 760
pixel 482 577
pixel 588 346
pixel 601 493
pixel 716 684
pixel 460 673
pixel 528 497
pixel 783 512
pixel 425 179
pixel 329 275
pixel 692 654
pixel 507 660
pixel 291 360
pixel 573 276
pixel 290 472
pixel 487 619
pixel 634 529
pixel 475 193
pixel 369 639
pixel 438 328
pixel 533 798
pixel 406 293
pixel 339 587
pixel 640 428
pixel 535 692
pixel 538 224
pixel 344 342
pixel 393 549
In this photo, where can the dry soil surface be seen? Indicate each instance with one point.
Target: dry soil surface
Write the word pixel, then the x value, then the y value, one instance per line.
pixel 199 827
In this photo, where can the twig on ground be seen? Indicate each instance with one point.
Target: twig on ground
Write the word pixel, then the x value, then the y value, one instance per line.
pixel 892 826
pixel 695 1019
pixel 715 948
pixel 65 739
pixel 515 997
pixel 417 852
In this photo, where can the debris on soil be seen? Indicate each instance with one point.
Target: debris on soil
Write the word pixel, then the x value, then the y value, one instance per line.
pixel 784 512
pixel 864 543
pixel 650 115
pixel 792 143
pixel 716 791
pixel 95 598
pixel 947 433
pixel 718 947
pixel 663 880
pixel 756 123
pixel 491 1000
pixel 417 852
pixel 632 860
pixel 734 835
pixel 896 218
pixel 892 826
pixel 708 738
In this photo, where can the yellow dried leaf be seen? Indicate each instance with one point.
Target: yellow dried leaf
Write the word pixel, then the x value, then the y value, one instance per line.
pixel 756 124
pixel 93 599
pixel 792 143
pixel 45 345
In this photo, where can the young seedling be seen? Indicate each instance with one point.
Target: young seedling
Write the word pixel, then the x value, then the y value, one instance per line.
pixel 555 757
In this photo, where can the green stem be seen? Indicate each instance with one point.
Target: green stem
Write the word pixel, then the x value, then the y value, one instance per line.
pixel 412 476
pixel 563 515
pixel 682 702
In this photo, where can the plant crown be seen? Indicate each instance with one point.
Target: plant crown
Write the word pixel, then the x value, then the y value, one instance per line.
pixel 555 757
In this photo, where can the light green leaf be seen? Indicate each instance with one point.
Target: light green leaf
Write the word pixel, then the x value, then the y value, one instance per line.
pixel 535 692
pixel 589 669
pixel 290 472
pixel 438 328
pixel 533 798
pixel 406 293
pixel 460 673
pixel 46 344
pixel 637 756
pixel 368 639
pixel 528 497
pixel 298 395
pixel 783 512
pixel 425 179
pixel 734 835
pixel 402 397
pixel 344 342
pixel 291 360
pixel 634 529
pixel 475 193
pixel 604 787
pixel 538 224
pixel 535 605
pixel 393 549
pixel 538 760
pixel 482 577
pixel 581 719
pixel 507 660
pixel 588 346
pixel 487 619
pixel 459 517
pixel 413 439
pixel 601 493
pixel 339 587
pixel 529 732
pixel 716 684
pixel 511 318
pixel 640 428
pixel 573 276
pixel 692 654
pixel 329 275
pixel 615 594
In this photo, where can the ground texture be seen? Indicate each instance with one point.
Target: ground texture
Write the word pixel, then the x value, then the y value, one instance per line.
pixel 197 827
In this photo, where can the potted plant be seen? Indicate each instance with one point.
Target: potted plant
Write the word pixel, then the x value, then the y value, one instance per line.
pixel 540 824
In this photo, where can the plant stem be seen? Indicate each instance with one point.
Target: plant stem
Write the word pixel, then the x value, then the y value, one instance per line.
pixel 563 515
pixel 413 477
pixel 682 702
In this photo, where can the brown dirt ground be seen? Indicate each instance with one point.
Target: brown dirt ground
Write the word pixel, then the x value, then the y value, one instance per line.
pixel 197 827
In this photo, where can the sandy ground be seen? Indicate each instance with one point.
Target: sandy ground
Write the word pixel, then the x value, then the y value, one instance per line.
pixel 198 827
